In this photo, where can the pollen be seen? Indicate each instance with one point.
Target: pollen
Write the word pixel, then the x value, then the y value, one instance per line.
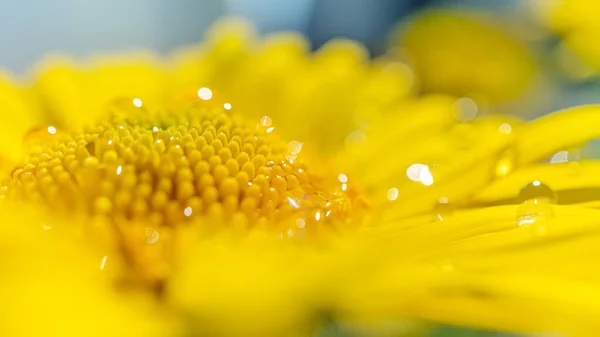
pixel 144 175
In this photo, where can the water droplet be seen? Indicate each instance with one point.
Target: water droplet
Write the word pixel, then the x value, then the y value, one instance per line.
pixel 344 187
pixel 506 163
pixel 119 170
pixel 465 109
pixel 266 121
pixel 535 214
pixel 293 202
pixel 354 138
pixel 392 194
pixel 412 172
pixel 290 233
pixel 152 235
pixel 103 262
pixel 505 129
pixel 318 216
pixel 560 157
pixel 300 223
pixel 270 129
pixel 442 208
pixel 574 158
pixel 187 211
pixel 342 178
pixel 137 102
pixel 205 94
pixel 40 135
pixel 227 106
pixel 425 176
pixel 536 190
pixel 295 146
pixel 536 209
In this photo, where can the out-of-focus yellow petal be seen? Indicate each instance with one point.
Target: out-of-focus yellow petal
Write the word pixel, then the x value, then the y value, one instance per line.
pixel 51 285
pixel 424 154
pixel 17 120
pixel 576 22
pixel 217 62
pixel 484 260
pixel 574 182
pixel 267 287
pixel 569 127
pixel 457 54
pixel 74 95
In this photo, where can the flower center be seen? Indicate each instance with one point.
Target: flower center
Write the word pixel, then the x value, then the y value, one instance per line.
pixel 148 175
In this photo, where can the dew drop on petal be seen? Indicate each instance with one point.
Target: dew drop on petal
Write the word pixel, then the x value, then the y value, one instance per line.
pixel 574 161
pixel 227 106
pixel 52 130
pixel 425 176
pixel 505 129
pixel 560 157
pixel 137 102
pixel 103 262
pixel 465 109
pixel 392 194
pixel 354 138
pixel 536 207
pixel 505 163
pixel 442 208
pixel 187 211
pixel 534 214
pixel 266 121
pixel 342 178
pixel 295 146
pixel 293 202
pixel 413 171
pixel 205 94
pixel 152 235
pixel 537 190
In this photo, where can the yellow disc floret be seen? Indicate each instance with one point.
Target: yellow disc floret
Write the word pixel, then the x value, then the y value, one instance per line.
pixel 142 176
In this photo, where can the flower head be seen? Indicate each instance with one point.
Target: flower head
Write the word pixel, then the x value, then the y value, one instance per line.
pixel 250 190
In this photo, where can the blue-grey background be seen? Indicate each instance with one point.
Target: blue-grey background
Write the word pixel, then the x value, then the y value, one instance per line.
pixel 30 29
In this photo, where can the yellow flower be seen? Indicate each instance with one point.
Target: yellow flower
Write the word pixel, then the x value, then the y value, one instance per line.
pixel 250 188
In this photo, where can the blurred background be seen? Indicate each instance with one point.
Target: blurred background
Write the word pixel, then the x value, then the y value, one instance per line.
pixel 516 44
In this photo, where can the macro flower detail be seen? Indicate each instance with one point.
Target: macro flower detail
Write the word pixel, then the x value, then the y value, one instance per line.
pixel 252 188
pixel 141 174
